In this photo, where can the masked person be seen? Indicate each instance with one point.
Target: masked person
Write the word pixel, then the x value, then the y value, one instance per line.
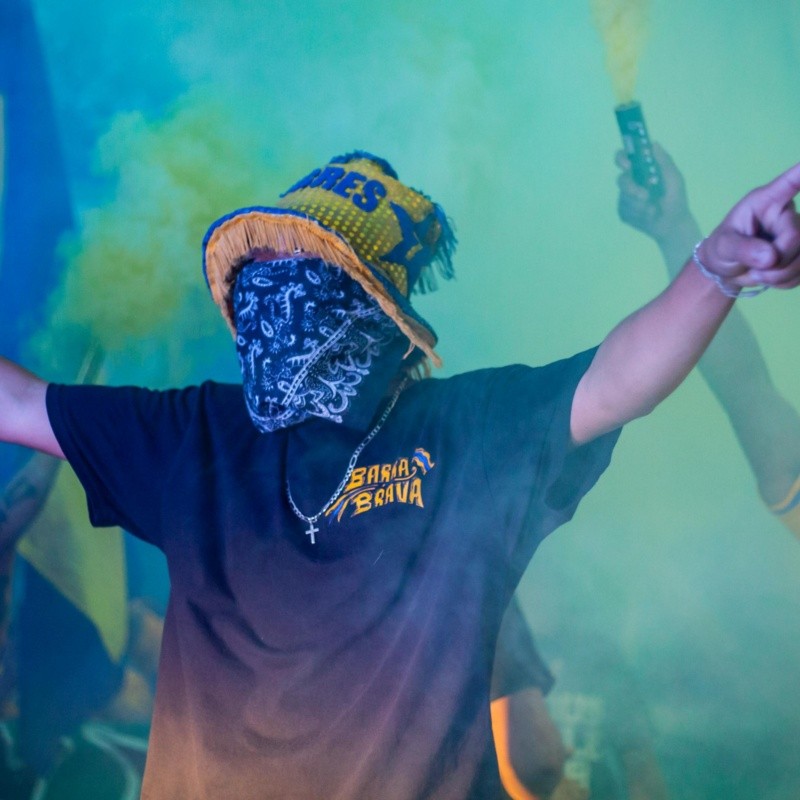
pixel 343 539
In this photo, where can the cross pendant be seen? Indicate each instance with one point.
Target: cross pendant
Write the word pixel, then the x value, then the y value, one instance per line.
pixel 311 531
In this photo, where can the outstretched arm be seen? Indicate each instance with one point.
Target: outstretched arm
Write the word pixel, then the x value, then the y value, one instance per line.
pixel 650 353
pixel 23 408
pixel 23 413
pixel 766 425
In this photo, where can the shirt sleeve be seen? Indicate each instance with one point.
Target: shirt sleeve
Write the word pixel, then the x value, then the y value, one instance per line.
pixel 536 475
pixel 122 444
pixel 517 663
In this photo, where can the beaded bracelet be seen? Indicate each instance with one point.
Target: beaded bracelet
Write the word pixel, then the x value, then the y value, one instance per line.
pixel 721 285
pixel 728 291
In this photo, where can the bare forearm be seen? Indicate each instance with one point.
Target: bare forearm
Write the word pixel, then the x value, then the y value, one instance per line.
pixel 648 355
pixel 23 410
pixel 733 366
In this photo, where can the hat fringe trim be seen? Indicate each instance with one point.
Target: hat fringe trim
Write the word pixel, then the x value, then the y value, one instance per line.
pixel 442 262
pixel 230 245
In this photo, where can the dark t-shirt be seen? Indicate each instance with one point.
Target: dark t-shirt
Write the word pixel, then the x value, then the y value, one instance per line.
pixel 517 663
pixel 359 666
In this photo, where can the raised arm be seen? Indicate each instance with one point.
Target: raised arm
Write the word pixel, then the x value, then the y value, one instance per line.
pixel 765 423
pixel 23 413
pixel 650 353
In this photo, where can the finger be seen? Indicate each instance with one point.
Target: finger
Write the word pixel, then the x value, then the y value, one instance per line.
pixel 730 249
pixel 790 281
pixel 786 275
pixel 786 232
pixel 621 160
pixel 660 153
pixel 789 284
pixel 628 186
pixel 629 213
pixel 782 189
pixel 782 274
pixel 663 158
pixel 635 213
pixel 770 277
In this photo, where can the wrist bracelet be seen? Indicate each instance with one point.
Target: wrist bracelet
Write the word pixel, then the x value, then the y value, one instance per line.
pixel 728 291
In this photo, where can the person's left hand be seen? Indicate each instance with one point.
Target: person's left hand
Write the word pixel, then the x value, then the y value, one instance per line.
pixel 758 242
pixel 659 219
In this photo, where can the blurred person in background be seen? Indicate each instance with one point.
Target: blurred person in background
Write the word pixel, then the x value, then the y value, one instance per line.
pixel 56 675
pixel 530 751
pixel 766 425
pixel 599 709
pixel 71 646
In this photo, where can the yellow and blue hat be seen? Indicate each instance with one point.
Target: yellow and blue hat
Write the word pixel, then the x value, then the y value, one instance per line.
pixel 356 214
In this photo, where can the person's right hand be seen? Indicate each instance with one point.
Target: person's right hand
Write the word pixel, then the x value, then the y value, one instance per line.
pixel 660 218
pixel 758 242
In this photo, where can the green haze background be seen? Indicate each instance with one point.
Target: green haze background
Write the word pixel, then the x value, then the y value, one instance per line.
pixel 174 112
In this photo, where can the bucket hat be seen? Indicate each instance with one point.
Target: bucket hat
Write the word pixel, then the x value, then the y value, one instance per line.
pixel 356 214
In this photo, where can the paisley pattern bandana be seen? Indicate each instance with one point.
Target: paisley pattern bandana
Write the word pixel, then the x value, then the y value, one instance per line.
pixel 311 342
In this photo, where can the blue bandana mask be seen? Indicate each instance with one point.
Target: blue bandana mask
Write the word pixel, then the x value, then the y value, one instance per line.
pixel 311 342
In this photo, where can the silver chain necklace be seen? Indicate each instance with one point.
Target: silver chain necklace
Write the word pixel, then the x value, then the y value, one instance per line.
pixel 311 521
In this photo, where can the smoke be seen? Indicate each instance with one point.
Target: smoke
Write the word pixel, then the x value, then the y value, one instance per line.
pixel 694 581
pixel 623 27
pixel 133 272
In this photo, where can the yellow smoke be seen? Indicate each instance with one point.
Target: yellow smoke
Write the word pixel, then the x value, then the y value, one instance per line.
pixel 623 27
pixel 134 270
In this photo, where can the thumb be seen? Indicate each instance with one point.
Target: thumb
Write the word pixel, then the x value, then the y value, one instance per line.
pixel 730 249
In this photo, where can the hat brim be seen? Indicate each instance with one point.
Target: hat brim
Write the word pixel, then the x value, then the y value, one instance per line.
pixel 232 240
